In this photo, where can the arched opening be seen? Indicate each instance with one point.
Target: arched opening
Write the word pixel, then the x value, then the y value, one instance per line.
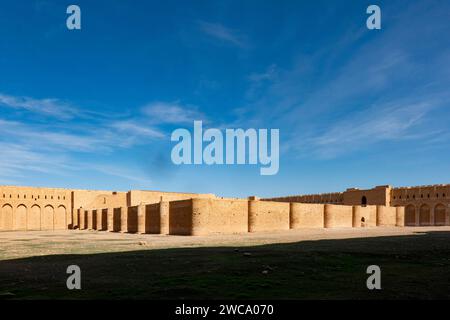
pixel 60 218
pixel 34 218
pixel 424 215
pixel 47 222
pixel 20 220
pixel 6 217
pixel 363 222
pixel 410 215
pixel 439 215
pixel 364 201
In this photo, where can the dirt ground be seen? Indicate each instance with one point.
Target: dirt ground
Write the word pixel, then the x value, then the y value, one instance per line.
pixel 294 264
pixel 15 245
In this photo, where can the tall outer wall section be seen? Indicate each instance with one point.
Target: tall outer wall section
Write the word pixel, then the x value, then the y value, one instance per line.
pixel 267 216
pixel 306 215
pixel 208 216
pixel 337 216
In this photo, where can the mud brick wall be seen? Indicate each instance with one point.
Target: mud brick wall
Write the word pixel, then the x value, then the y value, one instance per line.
pixel 132 219
pixel 305 215
pixel 364 216
pixel 386 216
pixel 267 216
pixel 337 216
pixel 180 217
pixel 219 216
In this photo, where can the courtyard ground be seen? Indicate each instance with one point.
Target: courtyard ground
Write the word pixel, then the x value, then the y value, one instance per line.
pixel 294 264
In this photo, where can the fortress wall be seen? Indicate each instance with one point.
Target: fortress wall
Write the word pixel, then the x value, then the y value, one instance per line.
pixel 379 195
pixel 424 205
pixel 75 219
pixel 164 217
pixel 334 197
pixel 29 208
pixel 400 216
pixel 132 219
pixel 136 197
pixel 117 219
pixel 357 217
pixel 386 216
pixel 428 194
pixel 180 217
pixel 94 219
pixel 157 217
pixel 102 223
pixel 336 216
pixel 373 216
pixel 305 215
pixel 98 219
pixel 83 219
pixel 153 218
pixel 89 219
pixel 110 219
pixel 34 215
pixel 123 219
pixel 267 216
pixel 207 216
pixel 98 199
pixel 219 216
pixel 142 219
pixel 364 216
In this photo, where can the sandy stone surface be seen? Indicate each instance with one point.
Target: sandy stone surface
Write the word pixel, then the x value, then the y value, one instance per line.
pixel 15 245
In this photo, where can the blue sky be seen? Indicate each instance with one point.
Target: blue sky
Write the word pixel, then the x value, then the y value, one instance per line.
pixel 95 108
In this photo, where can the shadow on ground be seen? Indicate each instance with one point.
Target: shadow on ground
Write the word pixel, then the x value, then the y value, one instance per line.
pixel 413 267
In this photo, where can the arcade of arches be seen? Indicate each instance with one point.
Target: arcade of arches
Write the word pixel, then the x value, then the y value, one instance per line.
pixel 33 218
pixel 31 208
pixel 425 215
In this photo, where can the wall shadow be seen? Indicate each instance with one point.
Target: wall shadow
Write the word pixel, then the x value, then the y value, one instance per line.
pixel 413 267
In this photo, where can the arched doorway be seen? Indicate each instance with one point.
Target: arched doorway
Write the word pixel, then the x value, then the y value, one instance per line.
pixel 60 218
pixel 364 201
pixel 20 220
pixel 424 215
pixel 48 218
pixel 410 215
pixel 34 218
pixel 6 217
pixel 439 215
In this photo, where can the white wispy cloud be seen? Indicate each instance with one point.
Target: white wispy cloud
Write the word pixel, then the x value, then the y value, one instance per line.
pixel 24 160
pixel 53 147
pixel 172 113
pixel 49 138
pixel 52 154
pixel 19 160
pixel 392 122
pixel 120 172
pixel 134 128
pixel 332 102
pixel 268 75
pixel 59 147
pixel 48 106
pixel 222 33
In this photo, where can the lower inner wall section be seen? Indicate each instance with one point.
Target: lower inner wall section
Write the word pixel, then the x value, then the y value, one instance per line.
pixel 202 216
